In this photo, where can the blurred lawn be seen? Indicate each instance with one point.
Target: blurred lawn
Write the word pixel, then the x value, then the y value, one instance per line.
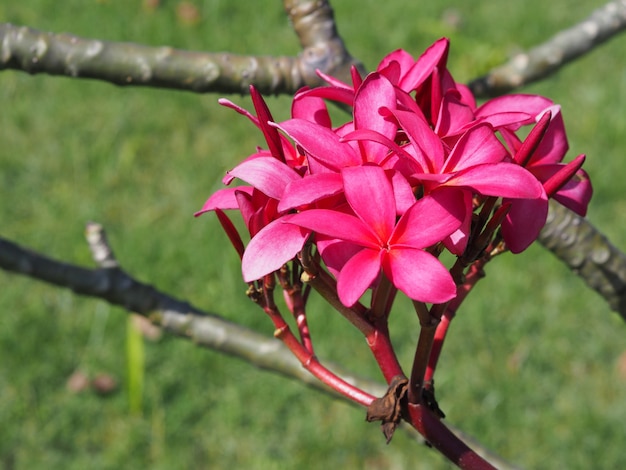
pixel 532 365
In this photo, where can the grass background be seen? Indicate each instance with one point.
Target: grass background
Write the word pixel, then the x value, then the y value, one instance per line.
pixel 534 366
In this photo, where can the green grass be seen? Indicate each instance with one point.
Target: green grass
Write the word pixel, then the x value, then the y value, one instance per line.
pixel 531 365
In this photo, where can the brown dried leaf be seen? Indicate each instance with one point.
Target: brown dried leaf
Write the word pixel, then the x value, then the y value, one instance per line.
pixel 388 408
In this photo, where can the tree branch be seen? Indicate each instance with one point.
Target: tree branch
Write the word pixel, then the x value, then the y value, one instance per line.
pixel 588 253
pixel 126 64
pixel 547 58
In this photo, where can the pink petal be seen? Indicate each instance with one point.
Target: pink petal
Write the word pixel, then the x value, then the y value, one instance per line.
pixel 336 224
pixel 576 193
pixel 370 195
pixel 499 179
pixel 335 253
pixel 357 275
pixel 428 146
pixel 554 145
pixel 375 93
pixel 267 174
pixel 310 189
pixel 273 246
pixel 341 95
pixel 419 275
pixel 272 137
pixel 453 114
pixel 435 55
pixel 402 193
pixel 320 143
pixel 311 108
pixel 523 223
pixel 477 146
pixel 531 104
pixel 224 199
pixel 430 220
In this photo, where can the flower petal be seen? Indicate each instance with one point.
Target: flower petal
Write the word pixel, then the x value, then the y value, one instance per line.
pixel 477 146
pixel 274 245
pixel 499 179
pixel 224 199
pixel 430 220
pixel 335 224
pixel 357 275
pixel 267 174
pixel 524 221
pixel 320 143
pixel 370 194
pixel 310 189
pixel 419 275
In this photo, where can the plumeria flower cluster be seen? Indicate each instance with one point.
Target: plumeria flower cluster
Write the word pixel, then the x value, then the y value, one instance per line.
pixel 419 169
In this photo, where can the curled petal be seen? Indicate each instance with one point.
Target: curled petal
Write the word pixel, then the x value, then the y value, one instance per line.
pixel 524 221
pixel 576 193
pixel 320 143
pixel 477 146
pixel 310 189
pixel 223 199
pixel 266 174
pixel 273 246
pixel 499 179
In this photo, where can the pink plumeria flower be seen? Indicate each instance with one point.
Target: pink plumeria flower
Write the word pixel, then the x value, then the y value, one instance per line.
pixel 396 248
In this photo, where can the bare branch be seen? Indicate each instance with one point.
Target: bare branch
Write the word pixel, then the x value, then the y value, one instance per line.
pixel 588 253
pixel 547 58
pixel 126 64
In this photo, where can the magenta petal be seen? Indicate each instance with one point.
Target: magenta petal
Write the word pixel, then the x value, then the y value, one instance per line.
pixel 267 174
pixel 273 246
pixel 435 55
pixel 477 146
pixel 419 275
pixel 310 189
pixel 531 104
pixel 499 179
pixel 336 224
pixel 523 223
pixel 310 108
pixel 224 199
pixel 576 193
pixel 375 93
pixel 370 194
pixel 321 143
pixel 430 220
pixel 428 146
pixel 357 275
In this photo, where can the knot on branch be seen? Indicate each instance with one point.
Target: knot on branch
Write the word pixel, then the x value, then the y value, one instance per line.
pixel 389 408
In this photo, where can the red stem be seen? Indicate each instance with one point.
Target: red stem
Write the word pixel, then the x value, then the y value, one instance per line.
pixel 474 274
pixel 442 439
pixel 382 349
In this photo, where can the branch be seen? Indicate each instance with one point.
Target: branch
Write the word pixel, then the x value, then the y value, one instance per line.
pixel 547 58
pixel 126 64
pixel 109 282
pixel 588 253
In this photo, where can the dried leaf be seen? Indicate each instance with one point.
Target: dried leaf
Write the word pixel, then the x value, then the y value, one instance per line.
pixel 388 408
